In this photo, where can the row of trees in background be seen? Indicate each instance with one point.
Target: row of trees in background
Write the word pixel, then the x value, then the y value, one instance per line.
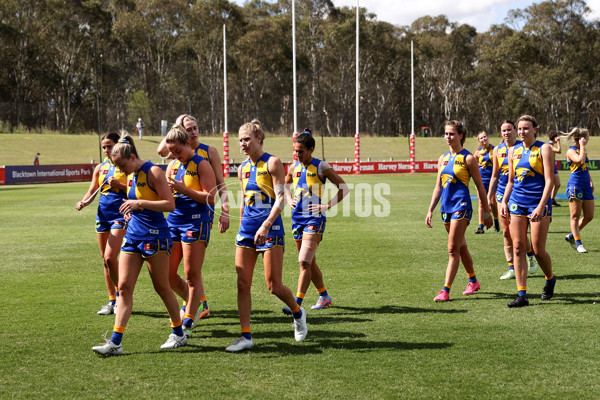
pixel 61 60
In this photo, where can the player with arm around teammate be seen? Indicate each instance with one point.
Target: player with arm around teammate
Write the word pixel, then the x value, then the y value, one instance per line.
pixel 580 187
pixel 528 201
pixel 110 182
pixel 194 187
pixel 455 169
pixel 307 177
pixel 147 239
pixel 261 232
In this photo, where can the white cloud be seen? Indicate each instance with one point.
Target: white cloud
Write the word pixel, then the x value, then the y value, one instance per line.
pixel 479 13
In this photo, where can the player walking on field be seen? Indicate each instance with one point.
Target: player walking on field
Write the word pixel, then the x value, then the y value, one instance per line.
pixel 498 183
pixel 194 187
pixel 261 232
pixel 211 155
pixel 527 199
pixel 455 169
pixel 307 177
pixel 580 188
pixel 110 182
pixel 147 239
pixel 484 156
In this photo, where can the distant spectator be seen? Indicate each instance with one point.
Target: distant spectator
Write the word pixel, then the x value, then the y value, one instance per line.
pixel 36 159
pixel 139 127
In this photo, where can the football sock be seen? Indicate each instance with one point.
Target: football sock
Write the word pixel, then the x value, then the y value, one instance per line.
pixel 112 300
pixel 204 302
pixel 188 320
pixel 472 277
pixel 297 312
pixel 577 240
pixel 446 288
pixel 511 266
pixel 299 298
pixel 497 224
pixel 522 291
pixel 322 292
pixel 178 330
pixel 570 235
pixel 117 334
pixel 551 281
pixel 480 226
pixel 246 332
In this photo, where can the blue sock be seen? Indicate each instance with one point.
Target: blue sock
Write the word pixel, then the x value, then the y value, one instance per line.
pixel 299 301
pixel 578 242
pixel 205 304
pixel 522 293
pixel 551 281
pixel 497 224
pixel 446 289
pixel 473 279
pixel 113 302
pixel 323 293
pixel 571 236
pixel 530 253
pixel 116 338
pixel 480 226
pixel 178 330
pixel 297 314
pixel 187 323
pixel 511 267
pixel 247 335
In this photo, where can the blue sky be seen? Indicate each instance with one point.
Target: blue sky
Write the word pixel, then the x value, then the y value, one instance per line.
pixel 478 13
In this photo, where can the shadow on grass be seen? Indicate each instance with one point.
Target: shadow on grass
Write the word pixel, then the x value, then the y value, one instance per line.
pixel 578 276
pixel 391 310
pixel 317 344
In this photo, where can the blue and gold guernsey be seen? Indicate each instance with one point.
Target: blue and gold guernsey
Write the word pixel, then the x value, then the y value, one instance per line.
pixel 110 198
pixel 202 151
pixel 580 174
pixel 502 152
pixel 259 197
pixel 529 181
pixel 145 224
pixel 188 210
pixel 307 189
pixel 455 178
pixel 486 164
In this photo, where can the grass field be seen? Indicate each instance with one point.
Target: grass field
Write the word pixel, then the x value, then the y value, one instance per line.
pixel 383 338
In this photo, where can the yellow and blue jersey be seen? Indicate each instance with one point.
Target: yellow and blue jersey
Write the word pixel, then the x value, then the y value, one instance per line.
pixel 486 164
pixel 502 152
pixel 580 174
pixel 455 178
pixel 259 197
pixel 145 224
pixel 110 198
pixel 188 210
pixel 202 151
pixel 529 181
pixel 307 188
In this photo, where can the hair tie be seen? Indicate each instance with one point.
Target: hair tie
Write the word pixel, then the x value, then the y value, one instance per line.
pixel 123 140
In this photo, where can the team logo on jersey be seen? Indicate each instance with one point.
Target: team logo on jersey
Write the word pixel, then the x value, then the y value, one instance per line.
pixel 247 175
pixel 118 223
pixel 580 195
pixel 521 173
pixel 261 173
pixel 104 172
pixel 513 207
pixel 298 174
pixel 174 172
pixel 130 183
pixel 446 179
pixel 149 246
pixel 312 228
pixel 191 234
